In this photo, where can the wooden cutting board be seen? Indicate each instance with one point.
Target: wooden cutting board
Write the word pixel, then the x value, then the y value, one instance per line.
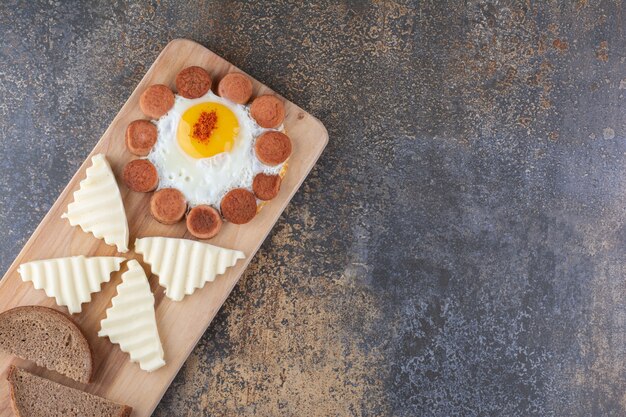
pixel 182 323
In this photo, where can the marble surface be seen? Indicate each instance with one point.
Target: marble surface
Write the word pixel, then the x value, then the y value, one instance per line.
pixel 459 250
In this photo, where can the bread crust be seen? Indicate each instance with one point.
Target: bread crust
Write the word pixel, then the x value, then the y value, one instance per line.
pixel 126 411
pixel 12 392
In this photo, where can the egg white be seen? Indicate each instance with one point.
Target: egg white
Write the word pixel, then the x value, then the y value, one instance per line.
pixel 207 180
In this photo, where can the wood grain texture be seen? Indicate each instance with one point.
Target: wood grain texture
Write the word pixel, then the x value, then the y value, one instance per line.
pixel 182 323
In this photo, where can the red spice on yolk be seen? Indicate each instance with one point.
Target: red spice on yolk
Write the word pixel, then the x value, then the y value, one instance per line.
pixel 207 129
pixel 205 125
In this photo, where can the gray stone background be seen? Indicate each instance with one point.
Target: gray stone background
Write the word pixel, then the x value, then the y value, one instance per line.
pixel 459 250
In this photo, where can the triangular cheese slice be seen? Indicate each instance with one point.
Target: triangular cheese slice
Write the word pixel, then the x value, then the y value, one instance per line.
pixel 72 280
pixel 131 321
pixel 98 207
pixel 184 265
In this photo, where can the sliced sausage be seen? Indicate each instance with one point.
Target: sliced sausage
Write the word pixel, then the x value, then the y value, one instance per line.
pixel 265 186
pixel 204 222
pixel 141 135
pixel 157 100
pixel 140 175
pixel 193 82
pixel 235 87
pixel 273 148
pixel 168 206
pixel 239 206
pixel 268 111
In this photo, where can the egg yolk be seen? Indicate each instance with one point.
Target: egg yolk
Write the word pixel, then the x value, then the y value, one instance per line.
pixel 207 129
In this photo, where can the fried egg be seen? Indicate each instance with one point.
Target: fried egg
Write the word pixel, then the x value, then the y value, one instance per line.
pixel 205 148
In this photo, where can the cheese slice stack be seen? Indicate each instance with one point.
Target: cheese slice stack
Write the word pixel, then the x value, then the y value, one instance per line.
pixel 184 265
pixel 72 280
pixel 98 207
pixel 131 321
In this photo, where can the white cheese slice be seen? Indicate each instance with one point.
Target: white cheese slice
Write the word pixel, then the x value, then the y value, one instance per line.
pixel 131 321
pixel 98 206
pixel 184 265
pixel 71 280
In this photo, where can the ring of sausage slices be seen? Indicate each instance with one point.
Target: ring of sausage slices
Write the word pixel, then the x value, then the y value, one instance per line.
pixel 238 206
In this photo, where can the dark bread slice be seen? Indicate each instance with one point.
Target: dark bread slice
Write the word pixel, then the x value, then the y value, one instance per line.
pixel 47 337
pixel 34 396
